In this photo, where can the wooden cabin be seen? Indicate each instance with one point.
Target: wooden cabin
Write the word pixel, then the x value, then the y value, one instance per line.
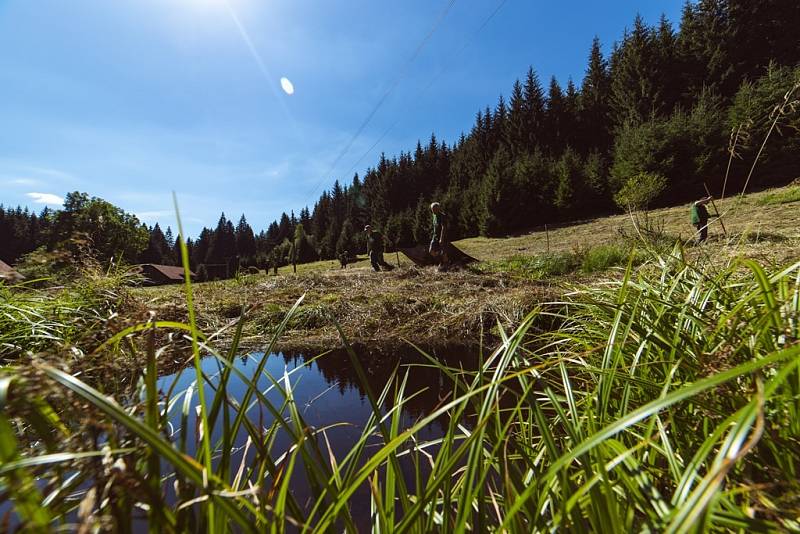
pixel 157 275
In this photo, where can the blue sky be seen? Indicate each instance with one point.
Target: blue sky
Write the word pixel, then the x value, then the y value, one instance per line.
pixel 129 100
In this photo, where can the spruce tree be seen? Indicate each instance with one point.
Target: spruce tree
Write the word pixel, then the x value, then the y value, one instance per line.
pixel 158 250
pixel 594 102
pixel 245 240
pixel 635 83
pixel 555 117
pixel 534 109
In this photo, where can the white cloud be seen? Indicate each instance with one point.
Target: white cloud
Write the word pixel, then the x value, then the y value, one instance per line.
pixel 45 198
pixel 10 181
pixel 24 171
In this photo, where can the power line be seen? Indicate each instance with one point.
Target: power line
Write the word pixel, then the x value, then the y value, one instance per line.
pixel 392 86
pixel 427 87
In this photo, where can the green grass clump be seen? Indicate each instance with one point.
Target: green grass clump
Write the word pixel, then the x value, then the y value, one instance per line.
pixel 536 267
pixel 603 257
pixel 549 265
pixel 784 196
pixel 36 315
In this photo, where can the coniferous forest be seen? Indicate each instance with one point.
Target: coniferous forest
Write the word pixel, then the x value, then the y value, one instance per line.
pixel 674 101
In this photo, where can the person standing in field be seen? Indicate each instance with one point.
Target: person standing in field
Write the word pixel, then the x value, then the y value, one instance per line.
pixel 439 229
pixel 700 218
pixel 375 249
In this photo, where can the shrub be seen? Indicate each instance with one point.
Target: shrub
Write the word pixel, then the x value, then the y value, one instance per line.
pixel 640 190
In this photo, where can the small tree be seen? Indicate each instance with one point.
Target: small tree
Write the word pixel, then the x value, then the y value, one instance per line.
pixel 345 241
pixel 640 190
pixel 636 194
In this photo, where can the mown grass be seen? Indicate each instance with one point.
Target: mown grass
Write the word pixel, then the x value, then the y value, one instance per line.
pixel 669 400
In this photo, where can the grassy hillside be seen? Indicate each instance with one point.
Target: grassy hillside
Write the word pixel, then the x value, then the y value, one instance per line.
pixel 514 275
pixel 754 223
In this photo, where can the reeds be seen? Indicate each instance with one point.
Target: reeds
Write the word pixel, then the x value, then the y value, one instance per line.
pixel 667 401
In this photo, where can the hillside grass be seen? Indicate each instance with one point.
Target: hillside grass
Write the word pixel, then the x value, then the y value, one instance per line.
pixel 753 220
pixel 782 196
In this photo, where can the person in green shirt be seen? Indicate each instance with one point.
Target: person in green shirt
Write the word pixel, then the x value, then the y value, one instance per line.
pixel 375 249
pixel 700 218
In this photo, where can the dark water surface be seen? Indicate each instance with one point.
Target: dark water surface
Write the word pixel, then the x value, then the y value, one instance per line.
pixel 326 390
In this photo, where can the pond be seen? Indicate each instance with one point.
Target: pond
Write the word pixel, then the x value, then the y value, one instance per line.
pixel 326 391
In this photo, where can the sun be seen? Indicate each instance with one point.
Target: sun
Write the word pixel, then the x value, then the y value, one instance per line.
pixel 287 86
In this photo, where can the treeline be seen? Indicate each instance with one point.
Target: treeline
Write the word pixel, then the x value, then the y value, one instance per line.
pixel 83 224
pixel 666 101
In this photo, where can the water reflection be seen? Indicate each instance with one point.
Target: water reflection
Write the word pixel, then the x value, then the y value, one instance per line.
pixel 326 390
pixel 327 387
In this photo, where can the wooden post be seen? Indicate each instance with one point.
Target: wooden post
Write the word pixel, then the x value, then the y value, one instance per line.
pixel 719 217
pixel 547 235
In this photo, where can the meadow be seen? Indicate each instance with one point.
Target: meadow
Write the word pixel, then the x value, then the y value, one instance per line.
pixel 619 384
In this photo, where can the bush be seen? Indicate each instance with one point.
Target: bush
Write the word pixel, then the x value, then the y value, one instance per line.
pixel 640 191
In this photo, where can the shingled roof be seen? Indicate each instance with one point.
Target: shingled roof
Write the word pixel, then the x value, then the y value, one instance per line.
pixel 160 274
pixel 8 273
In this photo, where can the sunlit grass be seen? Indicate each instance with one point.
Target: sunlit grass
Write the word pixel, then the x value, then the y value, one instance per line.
pixel 782 196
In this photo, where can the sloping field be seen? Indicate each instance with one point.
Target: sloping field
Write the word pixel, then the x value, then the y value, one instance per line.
pixel 428 307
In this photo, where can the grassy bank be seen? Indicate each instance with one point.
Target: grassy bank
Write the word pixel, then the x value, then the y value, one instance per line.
pixel 668 401
pixel 371 308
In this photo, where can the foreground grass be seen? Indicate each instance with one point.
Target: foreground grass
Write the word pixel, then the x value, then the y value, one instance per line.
pixel 667 401
pixel 37 315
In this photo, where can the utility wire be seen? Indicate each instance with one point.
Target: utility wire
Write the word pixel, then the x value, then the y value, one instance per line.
pixel 425 89
pixel 392 86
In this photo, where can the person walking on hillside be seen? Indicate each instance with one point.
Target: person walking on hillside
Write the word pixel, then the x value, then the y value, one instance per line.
pixel 344 258
pixel 375 249
pixel 700 218
pixel 439 225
